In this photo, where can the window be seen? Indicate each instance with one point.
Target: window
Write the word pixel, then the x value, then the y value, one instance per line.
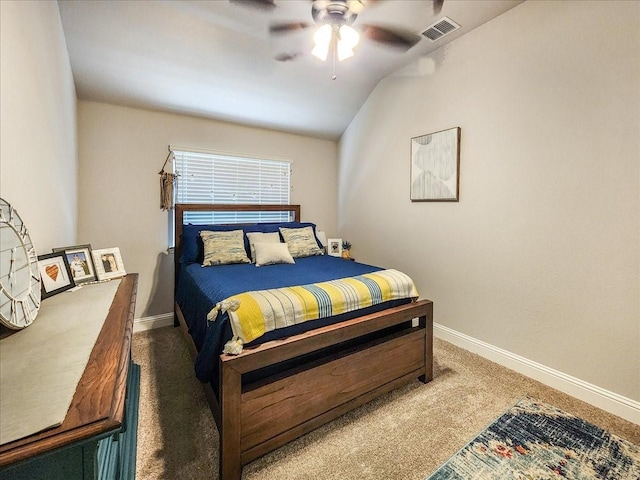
pixel 207 177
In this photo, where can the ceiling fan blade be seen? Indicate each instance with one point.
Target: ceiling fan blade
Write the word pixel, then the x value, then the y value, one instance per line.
pixel 287 57
pixel 278 28
pixel 264 5
pixel 437 6
pixel 397 38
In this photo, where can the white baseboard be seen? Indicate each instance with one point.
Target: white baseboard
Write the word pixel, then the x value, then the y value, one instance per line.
pixel 606 400
pixel 155 321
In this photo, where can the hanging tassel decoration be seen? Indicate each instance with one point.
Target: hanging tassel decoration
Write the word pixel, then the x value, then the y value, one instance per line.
pixel 167 180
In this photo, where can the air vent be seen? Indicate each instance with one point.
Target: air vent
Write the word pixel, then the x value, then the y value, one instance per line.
pixel 441 28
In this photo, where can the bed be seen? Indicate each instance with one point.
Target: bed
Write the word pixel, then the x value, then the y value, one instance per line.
pixel 294 379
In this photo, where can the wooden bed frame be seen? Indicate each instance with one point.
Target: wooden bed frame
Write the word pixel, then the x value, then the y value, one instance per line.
pixel 344 366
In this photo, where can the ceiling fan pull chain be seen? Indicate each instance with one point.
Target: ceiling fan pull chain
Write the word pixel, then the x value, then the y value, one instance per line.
pixel 334 76
pixel 334 41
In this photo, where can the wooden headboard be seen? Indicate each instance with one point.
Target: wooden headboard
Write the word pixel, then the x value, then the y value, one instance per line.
pixel 181 208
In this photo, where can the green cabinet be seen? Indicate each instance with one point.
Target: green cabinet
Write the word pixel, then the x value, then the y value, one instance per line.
pixel 117 454
pixel 102 458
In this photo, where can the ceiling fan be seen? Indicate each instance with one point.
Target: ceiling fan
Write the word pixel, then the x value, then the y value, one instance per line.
pixel 334 33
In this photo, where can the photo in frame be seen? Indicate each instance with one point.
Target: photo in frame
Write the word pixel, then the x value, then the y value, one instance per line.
pixel 435 166
pixel 80 262
pixel 55 274
pixel 108 263
pixel 334 247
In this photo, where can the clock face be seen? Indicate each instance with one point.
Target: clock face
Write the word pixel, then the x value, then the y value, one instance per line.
pixel 19 274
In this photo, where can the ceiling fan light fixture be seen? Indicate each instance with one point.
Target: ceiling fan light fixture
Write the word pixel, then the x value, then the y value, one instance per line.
pixel 344 52
pixel 321 52
pixel 356 6
pixel 348 36
pixel 344 38
pixel 347 39
pixel 322 40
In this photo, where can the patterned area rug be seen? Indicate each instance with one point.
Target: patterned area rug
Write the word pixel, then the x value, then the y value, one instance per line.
pixel 534 440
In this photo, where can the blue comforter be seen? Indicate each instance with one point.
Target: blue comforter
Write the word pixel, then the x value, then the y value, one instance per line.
pixel 200 288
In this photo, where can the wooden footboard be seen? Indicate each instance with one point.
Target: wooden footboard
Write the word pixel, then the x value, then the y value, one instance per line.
pixel 343 366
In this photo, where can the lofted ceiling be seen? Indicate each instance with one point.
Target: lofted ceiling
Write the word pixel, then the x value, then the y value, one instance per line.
pixel 216 59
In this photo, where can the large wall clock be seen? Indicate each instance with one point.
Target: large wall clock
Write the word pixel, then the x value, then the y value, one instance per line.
pixel 19 274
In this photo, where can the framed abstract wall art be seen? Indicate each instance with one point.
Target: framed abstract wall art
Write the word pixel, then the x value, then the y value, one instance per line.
pixel 435 166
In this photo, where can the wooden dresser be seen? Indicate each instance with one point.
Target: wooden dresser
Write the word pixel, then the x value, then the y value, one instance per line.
pixel 97 439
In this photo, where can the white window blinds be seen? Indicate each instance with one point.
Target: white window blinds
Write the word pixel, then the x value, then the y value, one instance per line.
pixel 205 177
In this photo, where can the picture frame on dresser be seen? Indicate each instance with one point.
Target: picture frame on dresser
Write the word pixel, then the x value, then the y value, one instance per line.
pixel 55 274
pixel 80 262
pixel 108 263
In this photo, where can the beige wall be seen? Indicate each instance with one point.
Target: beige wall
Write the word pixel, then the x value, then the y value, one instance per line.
pixel 38 152
pixel 121 150
pixel 541 256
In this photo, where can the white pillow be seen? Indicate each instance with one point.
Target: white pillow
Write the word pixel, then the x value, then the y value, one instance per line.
pixel 271 253
pixel 261 237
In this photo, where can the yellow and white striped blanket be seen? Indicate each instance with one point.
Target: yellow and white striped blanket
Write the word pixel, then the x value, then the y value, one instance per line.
pixel 254 313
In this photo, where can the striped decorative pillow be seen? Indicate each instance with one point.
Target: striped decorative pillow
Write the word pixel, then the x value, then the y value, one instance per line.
pixel 301 241
pixel 221 248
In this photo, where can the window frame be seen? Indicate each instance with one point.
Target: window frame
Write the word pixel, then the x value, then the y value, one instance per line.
pixel 255 166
